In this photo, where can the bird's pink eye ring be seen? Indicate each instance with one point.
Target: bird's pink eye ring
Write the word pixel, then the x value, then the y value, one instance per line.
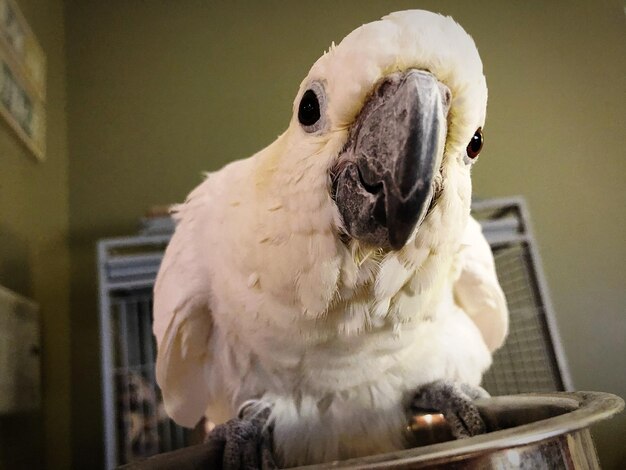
pixel 476 144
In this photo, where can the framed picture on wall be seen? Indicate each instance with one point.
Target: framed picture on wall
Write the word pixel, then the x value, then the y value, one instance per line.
pixel 22 79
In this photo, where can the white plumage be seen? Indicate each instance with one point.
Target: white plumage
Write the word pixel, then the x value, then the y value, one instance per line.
pixel 258 297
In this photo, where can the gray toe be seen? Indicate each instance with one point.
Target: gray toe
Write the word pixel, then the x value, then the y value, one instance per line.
pixel 456 403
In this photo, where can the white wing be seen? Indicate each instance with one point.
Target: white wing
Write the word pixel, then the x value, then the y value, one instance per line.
pixel 477 290
pixel 182 318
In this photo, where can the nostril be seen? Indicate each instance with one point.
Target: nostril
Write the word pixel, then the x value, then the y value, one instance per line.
pixel 383 87
pixel 370 188
pixel 446 97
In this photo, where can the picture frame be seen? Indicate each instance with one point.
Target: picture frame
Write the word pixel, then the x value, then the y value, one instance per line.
pixel 22 80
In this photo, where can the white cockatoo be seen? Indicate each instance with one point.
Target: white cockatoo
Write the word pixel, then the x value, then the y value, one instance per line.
pixel 335 274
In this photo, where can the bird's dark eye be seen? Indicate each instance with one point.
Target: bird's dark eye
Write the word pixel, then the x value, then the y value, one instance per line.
pixel 476 144
pixel 309 110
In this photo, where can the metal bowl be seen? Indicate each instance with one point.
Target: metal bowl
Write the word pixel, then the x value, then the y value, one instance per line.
pixel 529 431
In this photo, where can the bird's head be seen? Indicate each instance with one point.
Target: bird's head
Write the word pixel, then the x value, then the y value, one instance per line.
pixel 393 116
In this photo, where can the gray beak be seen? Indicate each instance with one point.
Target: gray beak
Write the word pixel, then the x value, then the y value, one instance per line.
pixel 382 181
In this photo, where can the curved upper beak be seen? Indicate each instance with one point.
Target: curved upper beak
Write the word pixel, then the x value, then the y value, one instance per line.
pixel 383 182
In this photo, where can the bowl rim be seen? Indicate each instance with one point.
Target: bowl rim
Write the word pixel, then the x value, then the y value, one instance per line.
pixel 587 408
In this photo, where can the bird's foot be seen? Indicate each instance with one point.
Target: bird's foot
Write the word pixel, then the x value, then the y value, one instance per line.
pixel 247 439
pixel 456 402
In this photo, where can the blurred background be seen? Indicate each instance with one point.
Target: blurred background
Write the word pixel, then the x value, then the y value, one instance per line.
pixel 143 96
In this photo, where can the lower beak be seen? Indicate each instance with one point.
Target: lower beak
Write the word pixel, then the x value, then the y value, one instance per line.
pixel 383 188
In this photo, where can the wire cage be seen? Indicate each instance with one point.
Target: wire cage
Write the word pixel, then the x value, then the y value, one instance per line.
pixel 135 424
pixel 532 358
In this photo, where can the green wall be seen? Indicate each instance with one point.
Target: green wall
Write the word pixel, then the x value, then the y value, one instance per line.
pixel 34 254
pixel 160 91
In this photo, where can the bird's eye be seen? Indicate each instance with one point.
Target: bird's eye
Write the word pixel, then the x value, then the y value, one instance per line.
pixel 309 110
pixel 476 144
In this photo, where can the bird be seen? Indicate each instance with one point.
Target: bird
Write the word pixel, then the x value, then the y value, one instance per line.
pixel 316 291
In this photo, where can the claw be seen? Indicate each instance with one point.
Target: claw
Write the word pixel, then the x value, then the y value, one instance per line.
pixel 246 440
pixel 456 403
